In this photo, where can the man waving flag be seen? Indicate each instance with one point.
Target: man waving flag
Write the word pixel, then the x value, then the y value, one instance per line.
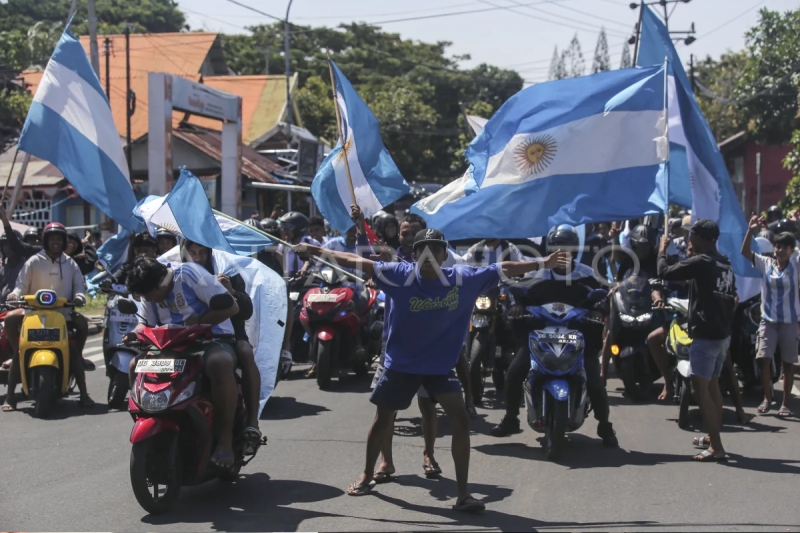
pixel 70 125
pixel 376 179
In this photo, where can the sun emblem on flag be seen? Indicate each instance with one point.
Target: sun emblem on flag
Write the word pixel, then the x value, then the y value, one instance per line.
pixel 348 146
pixel 535 154
pixel 169 227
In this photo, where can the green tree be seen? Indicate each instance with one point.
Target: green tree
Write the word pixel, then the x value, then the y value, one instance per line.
pixel 626 61
pixel 14 106
pixel 602 58
pixel 721 78
pixel 791 200
pixel 773 55
pixel 553 72
pixel 573 56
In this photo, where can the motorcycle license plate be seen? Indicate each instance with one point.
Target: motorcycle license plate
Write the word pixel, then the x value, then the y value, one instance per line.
pixel 558 338
pixel 160 366
pixel 116 316
pixel 43 335
pixel 323 298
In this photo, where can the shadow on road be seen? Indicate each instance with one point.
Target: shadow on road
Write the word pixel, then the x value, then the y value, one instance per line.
pixel 251 503
pixel 286 408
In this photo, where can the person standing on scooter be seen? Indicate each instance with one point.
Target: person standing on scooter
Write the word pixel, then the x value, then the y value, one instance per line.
pixel 569 286
pixel 780 312
pixel 712 300
pixel 50 269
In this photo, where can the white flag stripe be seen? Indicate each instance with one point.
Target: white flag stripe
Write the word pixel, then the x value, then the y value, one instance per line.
pixel 365 196
pixel 446 195
pixel 606 142
pixel 76 101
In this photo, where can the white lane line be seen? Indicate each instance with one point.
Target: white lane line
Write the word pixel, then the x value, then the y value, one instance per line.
pixel 94 358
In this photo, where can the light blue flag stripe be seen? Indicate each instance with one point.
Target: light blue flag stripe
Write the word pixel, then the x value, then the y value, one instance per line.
pixel 376 179
pixel 698 175
pixel 70 125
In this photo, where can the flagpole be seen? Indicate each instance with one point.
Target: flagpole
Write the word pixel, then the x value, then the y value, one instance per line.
pixel 290 245
pixel 10 173
pixel 341 133
pixel 642 7
pixel 666 135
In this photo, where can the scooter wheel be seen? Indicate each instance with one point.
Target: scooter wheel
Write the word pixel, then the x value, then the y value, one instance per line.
pixel 45 391
pixel 156 473
pixel 683 412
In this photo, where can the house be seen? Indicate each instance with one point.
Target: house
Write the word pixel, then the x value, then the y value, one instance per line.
pixel 740 153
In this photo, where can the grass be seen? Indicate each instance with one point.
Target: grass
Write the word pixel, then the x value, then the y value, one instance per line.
pixel 94 306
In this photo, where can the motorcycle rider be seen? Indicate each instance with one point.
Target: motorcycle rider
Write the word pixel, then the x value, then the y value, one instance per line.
pixel 50 269
pixel 294 226
pixel 142 245
pixel 181 294
pixel 774 214
pixel 387 229
pixel 11 264
pixel 192 252
pixel 490 251
pixel 83 253
pixel 166 240
pixel 316 229
pixel 569 286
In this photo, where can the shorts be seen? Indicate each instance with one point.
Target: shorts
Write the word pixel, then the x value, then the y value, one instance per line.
pixel 226 345
pixel 707 357
pixel 396 390
pixel 774 335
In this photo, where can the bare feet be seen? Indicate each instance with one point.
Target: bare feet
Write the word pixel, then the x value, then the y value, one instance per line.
pixel 666 394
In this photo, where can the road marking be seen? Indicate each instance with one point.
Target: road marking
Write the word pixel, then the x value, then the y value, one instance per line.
pixel 95 358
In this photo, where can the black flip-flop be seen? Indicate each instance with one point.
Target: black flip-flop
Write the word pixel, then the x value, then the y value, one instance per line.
pixel 432 470
pixel 382 477
pixel 252 440
pixel 707 456
pixel 360 490
pixel 469 505
pixel 785 412
pixel 764 407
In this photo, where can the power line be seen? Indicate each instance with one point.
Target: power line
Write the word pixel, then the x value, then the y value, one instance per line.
pixel 539 11
pixel 592 15
pixel 740 15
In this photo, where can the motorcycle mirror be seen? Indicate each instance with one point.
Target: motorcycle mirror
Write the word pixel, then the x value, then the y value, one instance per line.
pixel 219 302
pixel 598 295
pixel 127 307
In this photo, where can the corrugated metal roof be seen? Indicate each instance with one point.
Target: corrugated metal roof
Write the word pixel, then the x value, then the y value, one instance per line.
pixel 254 165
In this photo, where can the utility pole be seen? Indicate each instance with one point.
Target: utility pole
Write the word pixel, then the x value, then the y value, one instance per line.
pixel 686 36
pixel 107 43
pixel 94 54
pixel 128 111
pixel 286 37
pixel 266 61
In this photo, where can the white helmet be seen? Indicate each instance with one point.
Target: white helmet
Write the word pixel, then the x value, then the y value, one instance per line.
pixel 764 247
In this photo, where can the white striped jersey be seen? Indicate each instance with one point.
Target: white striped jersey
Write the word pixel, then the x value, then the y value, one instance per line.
pixel 780 302
pixel 192 289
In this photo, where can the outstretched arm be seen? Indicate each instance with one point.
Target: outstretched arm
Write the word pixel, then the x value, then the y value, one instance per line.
pixel 520 268
pixel 343 259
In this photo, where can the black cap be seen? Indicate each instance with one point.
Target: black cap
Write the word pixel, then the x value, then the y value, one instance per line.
pixel 704 228
pixel 675 223
pixel 429 236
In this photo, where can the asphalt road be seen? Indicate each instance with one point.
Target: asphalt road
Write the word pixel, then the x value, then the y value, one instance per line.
pixel 70 473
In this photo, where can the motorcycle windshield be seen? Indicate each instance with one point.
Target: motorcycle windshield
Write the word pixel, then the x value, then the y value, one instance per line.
pixel 634 296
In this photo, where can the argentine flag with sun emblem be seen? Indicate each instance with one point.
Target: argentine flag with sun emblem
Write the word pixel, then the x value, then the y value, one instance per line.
pixel 574 151
pixel 377 181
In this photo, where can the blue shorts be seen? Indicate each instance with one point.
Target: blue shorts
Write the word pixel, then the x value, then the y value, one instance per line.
pixel 396 390
pixel 707 357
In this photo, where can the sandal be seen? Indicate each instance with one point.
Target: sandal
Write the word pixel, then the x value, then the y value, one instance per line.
pixel 432 470
pixel 707 456
pixel 764 407
pixel 701 442
pixel 785 412
pixel 252 440
pixel 469 505
pixel 9 407
pixel 383 477
pixel 360 490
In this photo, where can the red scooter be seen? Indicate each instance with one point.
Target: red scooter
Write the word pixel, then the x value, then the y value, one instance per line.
pixel 173 413
pixel 341 332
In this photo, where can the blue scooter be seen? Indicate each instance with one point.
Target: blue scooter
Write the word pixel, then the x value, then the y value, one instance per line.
pixel 555 391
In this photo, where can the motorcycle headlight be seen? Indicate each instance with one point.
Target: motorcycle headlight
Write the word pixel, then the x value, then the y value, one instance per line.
pixel 627 318
pixel 483 303
pixel 185 394
pixel 645 317
pixel 557 357
pixel 153 402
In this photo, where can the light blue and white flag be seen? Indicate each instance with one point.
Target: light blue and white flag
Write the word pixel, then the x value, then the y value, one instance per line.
pixel 698 176
pixel 186 211
pixel 377 181
pixel 265 329
pixel 574 151
pixel 70 125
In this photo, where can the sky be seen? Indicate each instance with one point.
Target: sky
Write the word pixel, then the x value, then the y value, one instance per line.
pixel 519 34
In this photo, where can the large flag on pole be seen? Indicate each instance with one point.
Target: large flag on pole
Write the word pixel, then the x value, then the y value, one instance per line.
pixel 377 181
pixel 698 176
pixel 70 125
pixel 185 210
pixel 574 151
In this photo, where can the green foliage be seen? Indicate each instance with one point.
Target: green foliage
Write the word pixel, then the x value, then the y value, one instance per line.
pixel 791 200
pixel 478 109
pixel 14 106
pixel 722 77
pixel 773 52
pixel 626 61
pixel 412 87
pixel 602 58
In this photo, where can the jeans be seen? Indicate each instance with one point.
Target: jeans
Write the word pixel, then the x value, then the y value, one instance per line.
pixel 521 365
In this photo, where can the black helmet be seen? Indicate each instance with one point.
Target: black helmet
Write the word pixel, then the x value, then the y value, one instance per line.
pixel 562 236
pixel 271 226
pixel 54 228
pixel 642 235
pixel 295 222
pixel 784 226
pixel 31 233
pixel 254 223
pixel 4 237
pixel 380 220
pixel 144 239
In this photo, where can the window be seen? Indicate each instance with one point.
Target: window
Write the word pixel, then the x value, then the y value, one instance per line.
pixel 738 170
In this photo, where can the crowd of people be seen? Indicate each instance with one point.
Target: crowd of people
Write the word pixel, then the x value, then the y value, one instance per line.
pixel 430 293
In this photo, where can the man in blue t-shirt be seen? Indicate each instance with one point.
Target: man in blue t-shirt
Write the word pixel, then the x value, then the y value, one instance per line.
pixel 431 310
